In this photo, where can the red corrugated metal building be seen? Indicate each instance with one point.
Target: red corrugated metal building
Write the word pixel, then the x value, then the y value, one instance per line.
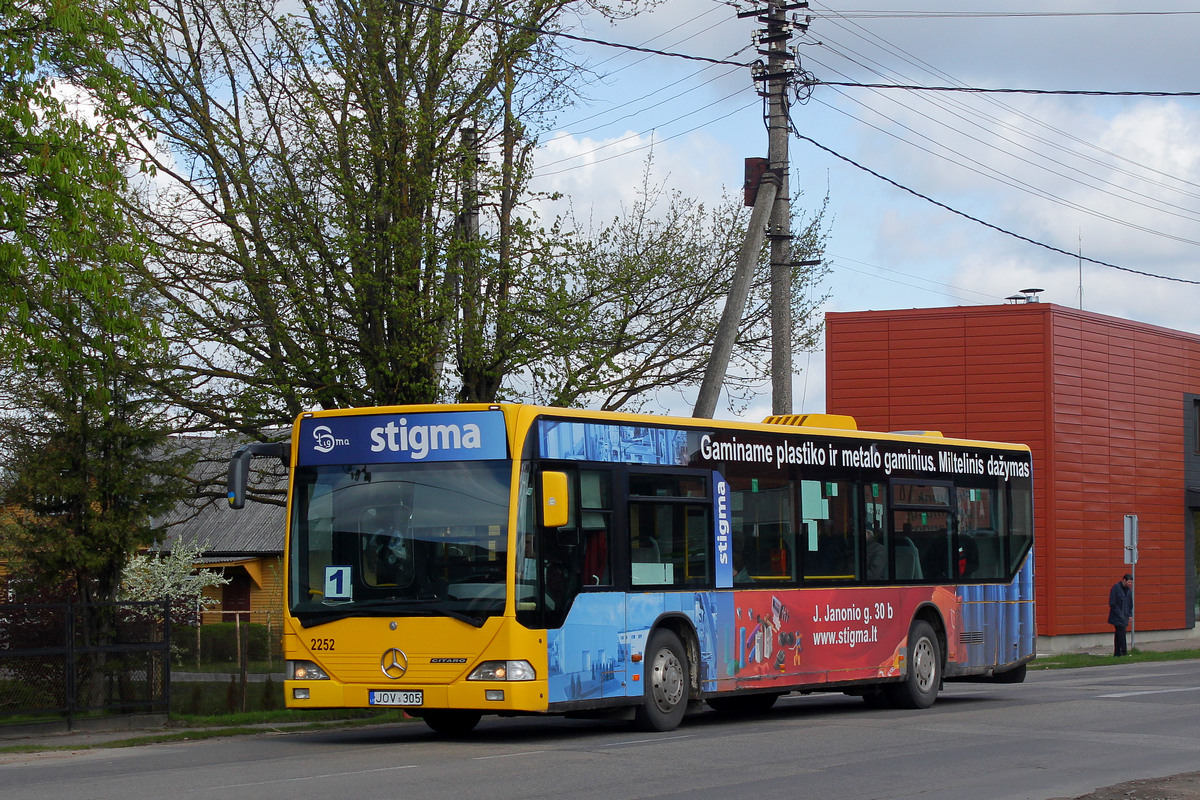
pixel 1110 407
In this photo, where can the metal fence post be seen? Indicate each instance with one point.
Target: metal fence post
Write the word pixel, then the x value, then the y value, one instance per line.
pixel 199 625
pixel 69 667
pixel 243 655
pixel 166 672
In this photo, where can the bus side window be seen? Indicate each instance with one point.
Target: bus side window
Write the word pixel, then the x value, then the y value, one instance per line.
pixel 937 556
pixel 670 529
pixel 980 547
pixel 876 540
pixel 829 513
pixel 595 515
pixel 597 563
pixel 1020 521
pixel 906 556
pixel 764 536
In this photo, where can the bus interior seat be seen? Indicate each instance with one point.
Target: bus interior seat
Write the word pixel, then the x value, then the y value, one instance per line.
pixel 646 552
pixel 908 560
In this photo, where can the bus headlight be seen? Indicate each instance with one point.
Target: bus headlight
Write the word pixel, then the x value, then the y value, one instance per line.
pixel 305 671
pixel 503 671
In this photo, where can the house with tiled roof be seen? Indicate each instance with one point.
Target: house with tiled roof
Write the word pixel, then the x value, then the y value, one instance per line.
pixel 245 545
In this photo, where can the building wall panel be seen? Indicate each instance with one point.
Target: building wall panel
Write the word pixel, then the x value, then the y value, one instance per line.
pixel 1098 399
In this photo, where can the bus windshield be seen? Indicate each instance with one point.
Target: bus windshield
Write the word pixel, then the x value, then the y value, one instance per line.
pixel 399 540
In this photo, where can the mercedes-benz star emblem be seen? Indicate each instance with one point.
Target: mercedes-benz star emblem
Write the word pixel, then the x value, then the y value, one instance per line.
pixel 394 663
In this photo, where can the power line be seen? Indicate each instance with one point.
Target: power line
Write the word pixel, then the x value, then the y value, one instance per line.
pixel 542 174
pixel 891 48
pixel 936 287
pixel 978 90
pixel 844 15
pixel 996 228
pixel 683 23
pixel 862 14
pixel 634 113
pixel 726 62
pixel 986 170
pixel 561 35
pixel 1092 180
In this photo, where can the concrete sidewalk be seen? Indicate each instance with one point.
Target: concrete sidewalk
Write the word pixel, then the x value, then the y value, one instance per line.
pixel 84 733
pixel 93 731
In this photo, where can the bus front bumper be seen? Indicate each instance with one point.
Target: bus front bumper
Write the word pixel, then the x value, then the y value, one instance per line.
pixel 486 696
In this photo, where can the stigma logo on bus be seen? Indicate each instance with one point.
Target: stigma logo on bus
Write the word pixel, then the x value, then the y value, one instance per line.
pixel 393 438
pixel 325 440
pixel 418 440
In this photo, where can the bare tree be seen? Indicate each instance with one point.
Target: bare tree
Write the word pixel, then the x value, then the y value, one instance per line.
pixel 306 193
pixel 634 306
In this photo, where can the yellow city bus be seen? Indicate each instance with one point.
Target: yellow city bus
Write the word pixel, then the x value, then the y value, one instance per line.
pixel 462 560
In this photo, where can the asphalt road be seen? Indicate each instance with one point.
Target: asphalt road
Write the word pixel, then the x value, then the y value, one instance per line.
pixel 1063 733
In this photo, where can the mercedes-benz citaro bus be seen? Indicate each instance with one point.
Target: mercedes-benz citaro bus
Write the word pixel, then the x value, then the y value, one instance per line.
pixel 462 560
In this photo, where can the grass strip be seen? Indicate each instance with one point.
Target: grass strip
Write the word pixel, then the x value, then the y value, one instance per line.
pixel 1076 660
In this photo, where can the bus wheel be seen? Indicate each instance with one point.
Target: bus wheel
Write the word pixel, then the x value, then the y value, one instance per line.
pixel 666 684
pixel 920 686
pixel 452 722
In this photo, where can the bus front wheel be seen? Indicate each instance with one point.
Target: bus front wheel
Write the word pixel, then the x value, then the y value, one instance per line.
pixel 449 722
pixel 920 686
pixel 666 684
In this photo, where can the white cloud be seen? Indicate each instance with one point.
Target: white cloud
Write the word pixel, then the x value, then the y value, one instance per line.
pixel 600 177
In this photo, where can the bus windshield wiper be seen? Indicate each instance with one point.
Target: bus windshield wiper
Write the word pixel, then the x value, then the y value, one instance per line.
pixel 426 607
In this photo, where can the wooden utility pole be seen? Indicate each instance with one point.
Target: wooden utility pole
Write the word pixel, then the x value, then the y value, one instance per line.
pixel 779 73
pixel 735 304
pixel 772 207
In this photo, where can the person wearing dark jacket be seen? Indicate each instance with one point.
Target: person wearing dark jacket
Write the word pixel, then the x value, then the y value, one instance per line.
pixel 1120 611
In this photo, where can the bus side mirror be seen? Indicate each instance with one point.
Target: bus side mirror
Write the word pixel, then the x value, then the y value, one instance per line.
pixel 555 506
pixel 239 467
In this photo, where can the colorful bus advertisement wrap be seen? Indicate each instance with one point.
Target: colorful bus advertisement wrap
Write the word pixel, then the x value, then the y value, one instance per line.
pixel 759 638
pixel 632 444
pixel 794 636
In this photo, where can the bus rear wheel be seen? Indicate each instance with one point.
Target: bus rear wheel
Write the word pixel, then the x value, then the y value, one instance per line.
pixel 920 686
pixel 666 684
pixel 450 722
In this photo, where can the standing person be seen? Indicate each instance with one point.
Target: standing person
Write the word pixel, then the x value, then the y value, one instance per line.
pixel 1120 611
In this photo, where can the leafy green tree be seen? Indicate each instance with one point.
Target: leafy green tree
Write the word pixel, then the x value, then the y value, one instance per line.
pixel 65 124
pixel 88 472
pixel 87 463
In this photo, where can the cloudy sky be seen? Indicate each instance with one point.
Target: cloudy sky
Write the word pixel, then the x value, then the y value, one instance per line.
pixel 1116 178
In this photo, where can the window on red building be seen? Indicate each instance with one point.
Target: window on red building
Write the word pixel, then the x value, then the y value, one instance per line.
pixel 1196 426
